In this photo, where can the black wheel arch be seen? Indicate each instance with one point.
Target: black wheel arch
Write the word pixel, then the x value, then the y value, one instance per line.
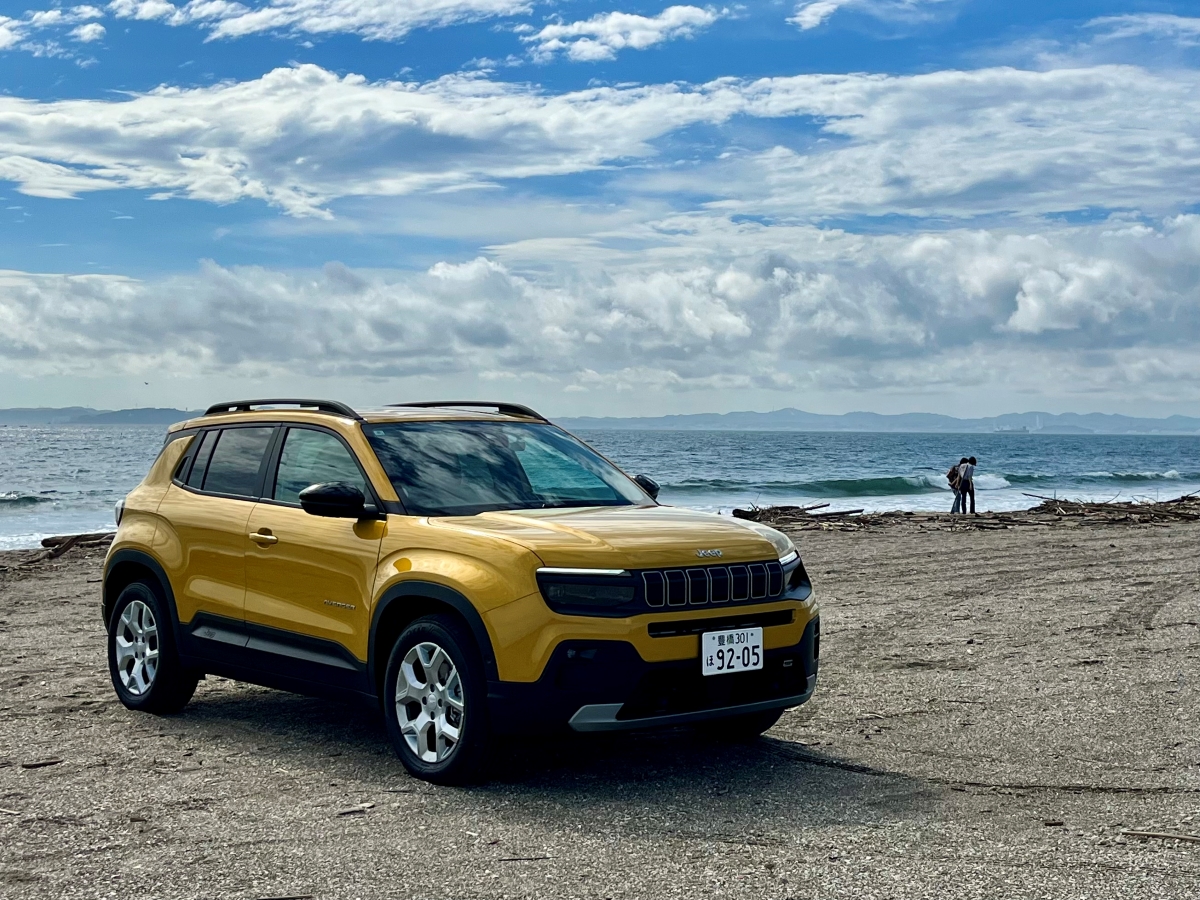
pixel 402 604
pixel 127 566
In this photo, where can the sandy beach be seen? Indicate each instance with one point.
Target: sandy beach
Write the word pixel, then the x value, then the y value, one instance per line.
pixel 997 710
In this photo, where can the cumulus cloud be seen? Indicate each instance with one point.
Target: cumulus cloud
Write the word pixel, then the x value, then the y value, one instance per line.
pixel 301 136
pixel 604 35
pixel 20 34
pixel 85 34
pixel 946 143
pixel 716 304
pixel 372 19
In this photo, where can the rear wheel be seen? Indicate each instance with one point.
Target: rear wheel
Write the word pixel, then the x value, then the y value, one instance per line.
pixel 142 661
pixel 435 702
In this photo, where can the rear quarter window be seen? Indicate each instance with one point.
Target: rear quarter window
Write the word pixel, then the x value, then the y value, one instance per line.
pixel 235 462
pixel 204 450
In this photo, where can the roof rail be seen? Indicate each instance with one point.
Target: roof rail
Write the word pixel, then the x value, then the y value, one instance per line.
pixel 332 407
pixel 505 409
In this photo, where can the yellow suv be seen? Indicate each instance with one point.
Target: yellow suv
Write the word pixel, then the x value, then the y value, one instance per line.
pixel 470 567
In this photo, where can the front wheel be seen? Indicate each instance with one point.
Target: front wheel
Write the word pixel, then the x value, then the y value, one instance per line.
pixel 435 702
pixel 145 668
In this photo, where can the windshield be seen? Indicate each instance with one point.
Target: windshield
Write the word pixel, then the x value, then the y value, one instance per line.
pixel 462 468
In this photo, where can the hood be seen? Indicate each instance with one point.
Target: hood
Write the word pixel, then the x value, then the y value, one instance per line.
pixel 626 537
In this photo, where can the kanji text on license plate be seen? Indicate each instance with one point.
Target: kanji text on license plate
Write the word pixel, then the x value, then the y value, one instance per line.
pixel 736 650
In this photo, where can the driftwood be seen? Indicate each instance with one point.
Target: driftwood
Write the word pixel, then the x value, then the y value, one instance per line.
pixel 96 537
pixel 57 545
pixel 1049 513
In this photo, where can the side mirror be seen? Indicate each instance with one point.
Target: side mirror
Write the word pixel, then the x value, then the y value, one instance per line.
pixel 647 484
pixel 334 500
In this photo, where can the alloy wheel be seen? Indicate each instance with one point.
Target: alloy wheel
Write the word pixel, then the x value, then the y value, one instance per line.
pixel 429 702
pixel 136 642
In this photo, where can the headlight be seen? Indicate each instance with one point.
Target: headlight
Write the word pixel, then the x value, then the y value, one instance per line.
pixel 589 592
pixel 796 583
pixel 119 511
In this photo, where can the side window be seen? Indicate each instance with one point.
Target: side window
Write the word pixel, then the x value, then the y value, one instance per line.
pixel 314 457
pixel 233 468
pixel 208 440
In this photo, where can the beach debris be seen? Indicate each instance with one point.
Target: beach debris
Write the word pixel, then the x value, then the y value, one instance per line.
pixel 71 540
pixel 1164 835
pixel 56 545
pixel 41 763
pixel 1051 512
pixel 359 810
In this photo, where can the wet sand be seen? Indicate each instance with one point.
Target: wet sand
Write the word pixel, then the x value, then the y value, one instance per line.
pixel 995 709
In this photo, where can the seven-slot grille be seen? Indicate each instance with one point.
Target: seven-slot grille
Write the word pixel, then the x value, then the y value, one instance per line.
pixel 713 584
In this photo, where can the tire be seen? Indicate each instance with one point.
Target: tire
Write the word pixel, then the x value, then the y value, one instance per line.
pixel 747 727
pixel 435 702
pixel 143 662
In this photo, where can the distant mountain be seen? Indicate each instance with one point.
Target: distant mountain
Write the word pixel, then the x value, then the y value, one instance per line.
pixel 798 420
pixel 82 415
pixel 779 420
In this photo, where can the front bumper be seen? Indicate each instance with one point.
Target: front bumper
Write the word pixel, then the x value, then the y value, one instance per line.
pixel 607 686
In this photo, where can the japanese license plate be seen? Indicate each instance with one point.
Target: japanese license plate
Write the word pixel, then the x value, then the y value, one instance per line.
pixel 736 650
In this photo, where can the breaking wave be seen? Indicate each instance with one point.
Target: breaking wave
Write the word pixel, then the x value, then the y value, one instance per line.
pixel 835 487
pixel 13 500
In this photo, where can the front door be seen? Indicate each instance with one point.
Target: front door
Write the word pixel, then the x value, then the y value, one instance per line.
pixel 308 578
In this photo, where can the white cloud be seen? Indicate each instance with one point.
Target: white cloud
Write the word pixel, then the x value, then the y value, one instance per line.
pixel 604 35
pixel 17 34
pixel 810 14
pixel 947 143
pixel 714 305
pixel 1183 30
pixel 372 19
pixel 85 34
pixel 299 137
pixel 968 143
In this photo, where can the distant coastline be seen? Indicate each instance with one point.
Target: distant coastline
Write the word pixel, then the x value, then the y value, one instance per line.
pixel 84 415
pixel 1011 424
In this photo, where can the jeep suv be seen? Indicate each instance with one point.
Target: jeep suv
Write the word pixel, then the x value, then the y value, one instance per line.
pixel 470 567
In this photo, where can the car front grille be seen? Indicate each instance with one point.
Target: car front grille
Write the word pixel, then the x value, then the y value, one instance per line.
pixel 712 585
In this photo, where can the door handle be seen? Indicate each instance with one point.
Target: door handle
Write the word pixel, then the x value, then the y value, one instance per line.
pixel 263 537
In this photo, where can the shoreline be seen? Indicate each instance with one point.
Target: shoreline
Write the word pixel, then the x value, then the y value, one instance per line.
pixel 826 514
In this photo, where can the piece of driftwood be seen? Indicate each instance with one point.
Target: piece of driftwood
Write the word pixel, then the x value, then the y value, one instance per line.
pixel 96 537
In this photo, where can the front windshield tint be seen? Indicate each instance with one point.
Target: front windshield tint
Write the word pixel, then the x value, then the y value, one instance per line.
pixel 462 468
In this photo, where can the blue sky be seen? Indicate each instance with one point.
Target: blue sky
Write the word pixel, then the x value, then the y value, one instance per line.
pixel 603 208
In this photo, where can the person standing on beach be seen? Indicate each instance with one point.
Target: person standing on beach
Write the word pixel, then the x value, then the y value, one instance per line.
pixel 966 483
pixel 955 485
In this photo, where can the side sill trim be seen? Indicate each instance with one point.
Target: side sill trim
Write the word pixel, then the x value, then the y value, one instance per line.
pixel 603 716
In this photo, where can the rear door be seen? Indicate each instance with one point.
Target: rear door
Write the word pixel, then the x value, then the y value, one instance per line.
pixel 203 536
pixel 308 578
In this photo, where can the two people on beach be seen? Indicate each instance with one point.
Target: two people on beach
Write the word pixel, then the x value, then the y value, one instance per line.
pixel 962 482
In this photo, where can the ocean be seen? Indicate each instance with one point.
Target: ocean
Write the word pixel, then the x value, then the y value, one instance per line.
pixel 66 479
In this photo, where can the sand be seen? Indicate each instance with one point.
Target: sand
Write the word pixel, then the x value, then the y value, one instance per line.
pixel 995 709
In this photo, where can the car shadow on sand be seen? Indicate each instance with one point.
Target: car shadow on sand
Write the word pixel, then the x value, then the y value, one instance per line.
pixel 680 771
